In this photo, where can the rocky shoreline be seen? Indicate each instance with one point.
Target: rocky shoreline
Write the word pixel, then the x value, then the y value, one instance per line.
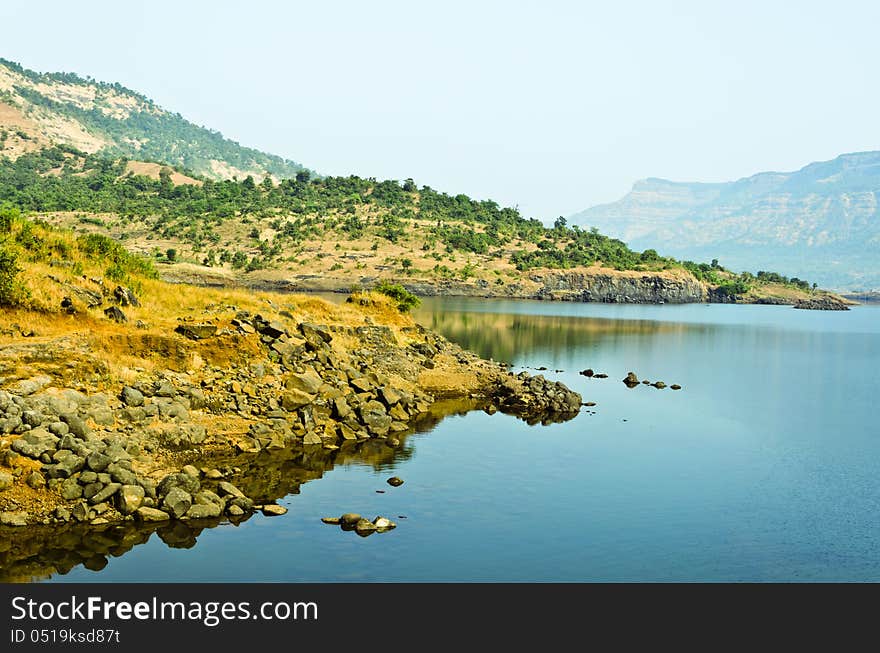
pixel 562 285
pixel 143 453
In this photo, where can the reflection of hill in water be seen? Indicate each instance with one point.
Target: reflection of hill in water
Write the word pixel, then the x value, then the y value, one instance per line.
pixel 504 335
pixel 39 552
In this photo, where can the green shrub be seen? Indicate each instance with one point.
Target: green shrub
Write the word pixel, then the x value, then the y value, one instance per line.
pixel 11 290
pixel 406 301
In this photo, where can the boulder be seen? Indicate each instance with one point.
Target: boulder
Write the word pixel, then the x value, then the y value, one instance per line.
pixel 395 481
pixel 294 399
pixel 19 518
pixel 35 443
pixel 196 331
pixel 225 488
pixel 115 314
pixel 349 519
pixel 308 382
pixel 274 510
pixel 177 502
pixel 631 380
pixel 185 482
pixel 203 511
pixel 6 480
pixel 129 498
pixel 132 397
pixel 145 514
pixel 105 493
pixel 125 296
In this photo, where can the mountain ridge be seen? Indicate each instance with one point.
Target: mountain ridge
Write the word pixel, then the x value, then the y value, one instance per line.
pixel 110 119
pixel 820 221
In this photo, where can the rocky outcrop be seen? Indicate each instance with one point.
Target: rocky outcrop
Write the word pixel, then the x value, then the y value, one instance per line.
pixel 608 288
pixel 824 303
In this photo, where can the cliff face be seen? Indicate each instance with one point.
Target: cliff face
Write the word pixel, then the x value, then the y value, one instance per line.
pixel 607 288
pixel 819 223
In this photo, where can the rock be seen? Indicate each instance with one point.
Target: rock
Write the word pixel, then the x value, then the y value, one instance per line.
pixel 132 397
pixel 165 389
pixel 196 331
pixel 225 488
pixel 129 498
pixel 62 514
pixel 586 372
pixel 600 376
pixel 375 417
pixel 383 524
pixel 307 383
pixel 203 511
pixel 294 399
pixel 312 438
pixel 191 470
pixel 826 303
pixel 631 380
pixel 80 511
pixel 315 332
pixel 59 429
pixel 5 480
pixel 70 489
pixel 331 520
pixel 18 518
pixel 349 519
pixel 273 330
pixel 274 510
pixel 185 482
pixel 65 468
pixel 364 526
pixel 675 386
pixel 35 480
pixel 659 385
pixel 125 296
pixel 145 514
pixel 77 426
pixel 589 404
pixel 394 481
pixel 176 502
pixel 98 462
pixel 27 387
pixel 35 443
pixel 213 474
pixel 389 395
pixel 234 511
pixel 105 493
pixel 341 408
pixel 115 314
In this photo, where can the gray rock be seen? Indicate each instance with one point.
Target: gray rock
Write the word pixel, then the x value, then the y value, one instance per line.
pixel 36 480
pixel 80 511
pixel 70 489
pixel 234 511
pixel 129 498
pixel 5 480
pixel 32 418
pixel 132 397
pixel 115 314
pixel 176 502
pixel 375 417
pixel 191 470
pixel 98 462
pixel 203 511
pixel 185 482
pixel 77 426
pixel 205 497
pixel 27 387
pixel 66 467
pixel 225 488
pixel 58 428
pixel 62 514
pixel 165 389
pixel 105 493
pixel 19 518
pixel 35 443
pixel 122 474
pixel 145 514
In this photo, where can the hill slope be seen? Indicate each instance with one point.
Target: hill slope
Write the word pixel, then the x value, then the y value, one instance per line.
pixel 36 109
pixel 820 222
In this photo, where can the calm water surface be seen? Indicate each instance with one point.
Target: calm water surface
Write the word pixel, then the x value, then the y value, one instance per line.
pixel 765 466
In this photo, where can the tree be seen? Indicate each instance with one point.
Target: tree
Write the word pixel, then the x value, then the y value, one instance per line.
pixel 409 185
pixel 303 176
pixel 560 223
pixel 171 254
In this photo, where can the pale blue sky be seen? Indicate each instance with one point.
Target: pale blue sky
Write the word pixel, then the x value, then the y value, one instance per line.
pixel 552 106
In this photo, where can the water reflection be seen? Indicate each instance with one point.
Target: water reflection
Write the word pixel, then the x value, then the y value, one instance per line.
pixel 40 552
pixel 504 336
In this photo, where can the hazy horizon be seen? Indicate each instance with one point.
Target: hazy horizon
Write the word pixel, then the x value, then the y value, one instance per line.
pixel 551 109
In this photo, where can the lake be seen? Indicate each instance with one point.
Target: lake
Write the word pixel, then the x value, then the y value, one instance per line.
pixel 765 466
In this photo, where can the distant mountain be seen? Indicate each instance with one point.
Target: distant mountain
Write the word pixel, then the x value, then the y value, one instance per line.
pixel 820 223
pixel 37 109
